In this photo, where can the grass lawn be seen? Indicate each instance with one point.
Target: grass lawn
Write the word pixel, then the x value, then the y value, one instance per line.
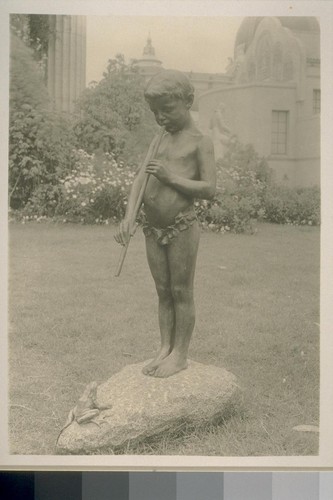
pixel 72 322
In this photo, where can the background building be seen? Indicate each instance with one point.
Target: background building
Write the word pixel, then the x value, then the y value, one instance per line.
pixel 269 94
pixel 148 65
pixel 272 99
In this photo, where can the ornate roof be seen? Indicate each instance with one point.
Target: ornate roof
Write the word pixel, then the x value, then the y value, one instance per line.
pixel 148 64
pixel 249 25
pixel 149 49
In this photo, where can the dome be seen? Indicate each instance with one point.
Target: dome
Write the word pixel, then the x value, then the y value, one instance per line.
pixel 148 65
pixel 246 31
pixel 249 26
pixel 300 23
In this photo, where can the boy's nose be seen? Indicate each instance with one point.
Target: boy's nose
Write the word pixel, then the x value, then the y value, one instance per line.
pixel 159 116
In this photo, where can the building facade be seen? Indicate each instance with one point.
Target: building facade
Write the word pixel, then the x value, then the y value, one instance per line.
pixel 272 99
pixel 148 65
pixel 269 95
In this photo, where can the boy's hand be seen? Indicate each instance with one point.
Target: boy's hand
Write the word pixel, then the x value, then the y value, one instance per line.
pixel 123 233
pixel 156 168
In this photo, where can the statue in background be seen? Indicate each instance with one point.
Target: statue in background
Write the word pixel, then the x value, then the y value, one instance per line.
pixel 220 132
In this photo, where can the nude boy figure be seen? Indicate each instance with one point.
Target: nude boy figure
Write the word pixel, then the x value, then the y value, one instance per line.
pixel 183 170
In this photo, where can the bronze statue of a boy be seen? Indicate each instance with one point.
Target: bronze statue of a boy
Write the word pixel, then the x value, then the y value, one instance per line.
pixel 183 170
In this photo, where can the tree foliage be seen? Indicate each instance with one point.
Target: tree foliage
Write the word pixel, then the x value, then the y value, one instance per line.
pixel 114 115
pixel 26 83
pixel 34 31
pixel 40 142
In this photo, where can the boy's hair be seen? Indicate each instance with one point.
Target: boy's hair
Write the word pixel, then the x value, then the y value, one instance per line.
pixel 171 83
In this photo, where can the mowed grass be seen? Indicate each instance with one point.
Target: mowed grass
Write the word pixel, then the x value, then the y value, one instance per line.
pixel 72 322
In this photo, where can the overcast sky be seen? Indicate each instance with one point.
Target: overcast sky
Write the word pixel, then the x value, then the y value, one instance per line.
pixel 185 43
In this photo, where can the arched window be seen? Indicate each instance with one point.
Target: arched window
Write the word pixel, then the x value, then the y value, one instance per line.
pixel 277 69
pixel 251 71
pixel 264 59
pixel 288 68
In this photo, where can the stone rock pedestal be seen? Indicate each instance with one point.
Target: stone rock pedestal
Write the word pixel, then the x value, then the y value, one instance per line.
pixel 140 406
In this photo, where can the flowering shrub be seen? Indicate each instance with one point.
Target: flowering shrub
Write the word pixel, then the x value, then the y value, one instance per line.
pixel 43 202
pixel 242 180
pixel 226 213
pixel 96 190
pixel 285 205
pixel 40 151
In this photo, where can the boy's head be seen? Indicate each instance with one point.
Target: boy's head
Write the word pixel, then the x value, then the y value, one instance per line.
pixel 170 96
pixel 169 83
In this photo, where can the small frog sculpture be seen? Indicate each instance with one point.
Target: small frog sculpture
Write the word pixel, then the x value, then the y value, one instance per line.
pixel 86 408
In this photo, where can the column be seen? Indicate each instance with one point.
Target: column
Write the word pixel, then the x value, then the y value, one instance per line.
pixel 51 58
pixel 84 53
pixel 66 104
pixel 58 55
pixel 74 67
pixel 66 60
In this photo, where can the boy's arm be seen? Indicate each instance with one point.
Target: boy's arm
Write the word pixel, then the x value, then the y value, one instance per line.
pixel 205 186
pixel 134 194
pixel 124 231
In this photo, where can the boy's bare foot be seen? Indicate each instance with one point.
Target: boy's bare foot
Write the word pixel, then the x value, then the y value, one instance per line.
pixel 170 365
pixel 151 367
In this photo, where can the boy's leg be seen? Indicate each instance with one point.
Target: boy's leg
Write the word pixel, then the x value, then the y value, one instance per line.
pixel 159 267
pixel 182 254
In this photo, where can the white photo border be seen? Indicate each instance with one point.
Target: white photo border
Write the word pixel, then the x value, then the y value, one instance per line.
pixel 324 11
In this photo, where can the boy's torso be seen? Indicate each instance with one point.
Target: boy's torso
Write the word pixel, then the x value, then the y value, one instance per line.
pixel 179 154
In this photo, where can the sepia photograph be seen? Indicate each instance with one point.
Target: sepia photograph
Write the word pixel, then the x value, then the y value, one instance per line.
pixel 164 228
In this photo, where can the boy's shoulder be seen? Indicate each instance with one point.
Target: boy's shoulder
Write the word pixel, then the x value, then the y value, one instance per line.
pixel 199 136
pixel 203 140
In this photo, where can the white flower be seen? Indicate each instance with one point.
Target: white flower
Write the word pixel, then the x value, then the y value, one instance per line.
pixel 74 196
pixel 83 204
pixel 83 180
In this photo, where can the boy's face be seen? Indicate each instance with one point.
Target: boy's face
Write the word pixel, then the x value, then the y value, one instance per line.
pixel 170 112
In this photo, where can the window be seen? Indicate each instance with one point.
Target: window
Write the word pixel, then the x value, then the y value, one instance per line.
pixel 316 101
pixel 279 132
